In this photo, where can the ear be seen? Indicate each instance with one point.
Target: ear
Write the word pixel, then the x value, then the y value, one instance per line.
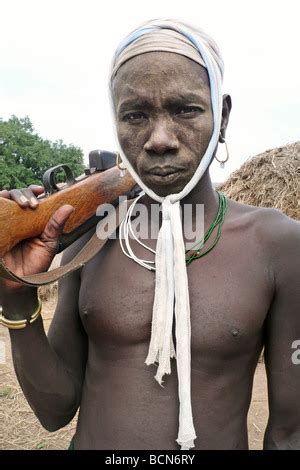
pixel 227 105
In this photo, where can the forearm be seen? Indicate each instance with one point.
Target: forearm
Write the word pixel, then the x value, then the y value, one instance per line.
pixel 49 387
pixel 282 438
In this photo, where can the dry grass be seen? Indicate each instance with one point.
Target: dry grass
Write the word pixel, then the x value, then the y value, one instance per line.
pixel 270 179
pixel 50 290
pixel 19 428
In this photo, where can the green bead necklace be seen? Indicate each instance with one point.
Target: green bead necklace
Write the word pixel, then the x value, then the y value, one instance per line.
pixel 196 250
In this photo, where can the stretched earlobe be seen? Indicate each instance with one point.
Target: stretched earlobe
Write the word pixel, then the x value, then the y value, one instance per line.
pixel 221 137
pixel 223 141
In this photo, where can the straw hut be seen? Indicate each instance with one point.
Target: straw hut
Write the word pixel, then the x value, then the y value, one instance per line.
pixel 271 179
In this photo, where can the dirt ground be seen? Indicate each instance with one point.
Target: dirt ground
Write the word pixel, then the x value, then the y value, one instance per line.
pixel 19 429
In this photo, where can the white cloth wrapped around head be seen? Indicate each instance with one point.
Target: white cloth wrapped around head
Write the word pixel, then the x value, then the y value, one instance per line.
pixel 171 287
pixel 164 39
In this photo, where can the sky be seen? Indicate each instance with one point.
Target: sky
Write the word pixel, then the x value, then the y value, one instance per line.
pixel 55 58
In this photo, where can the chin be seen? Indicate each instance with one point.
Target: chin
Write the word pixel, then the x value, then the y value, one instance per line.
pixel 166 190
pixel 163 188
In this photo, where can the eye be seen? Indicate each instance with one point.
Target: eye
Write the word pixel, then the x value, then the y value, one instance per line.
pixel 188 111
pixel 134 117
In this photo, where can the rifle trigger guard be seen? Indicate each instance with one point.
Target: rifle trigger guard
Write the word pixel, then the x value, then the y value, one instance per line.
pixel 49 180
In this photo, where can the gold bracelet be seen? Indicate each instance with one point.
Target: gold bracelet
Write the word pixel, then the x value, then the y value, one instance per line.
pixel 19 324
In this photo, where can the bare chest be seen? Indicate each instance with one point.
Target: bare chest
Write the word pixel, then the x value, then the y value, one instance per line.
pixel 229 300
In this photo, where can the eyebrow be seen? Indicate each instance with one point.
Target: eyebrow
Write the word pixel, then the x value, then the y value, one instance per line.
pixel 135 103
pixel 139 101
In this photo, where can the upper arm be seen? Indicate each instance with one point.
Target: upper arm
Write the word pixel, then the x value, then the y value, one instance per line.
pixel 282 330
pixel 66 334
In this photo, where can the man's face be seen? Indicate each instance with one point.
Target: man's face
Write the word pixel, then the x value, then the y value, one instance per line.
pixel 164 118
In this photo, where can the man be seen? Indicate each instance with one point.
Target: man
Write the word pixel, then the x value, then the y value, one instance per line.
pixel 243 295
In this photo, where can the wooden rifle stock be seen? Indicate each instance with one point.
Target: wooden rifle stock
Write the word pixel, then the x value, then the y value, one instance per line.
pixel 17 224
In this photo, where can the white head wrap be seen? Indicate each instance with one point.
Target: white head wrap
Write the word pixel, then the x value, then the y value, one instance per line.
pixel 171 287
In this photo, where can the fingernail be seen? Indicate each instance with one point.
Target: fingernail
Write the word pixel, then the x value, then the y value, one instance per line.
pixel 23 199
pixel 33 202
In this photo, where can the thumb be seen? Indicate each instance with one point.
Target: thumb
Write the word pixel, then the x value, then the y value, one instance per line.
pixel 55 226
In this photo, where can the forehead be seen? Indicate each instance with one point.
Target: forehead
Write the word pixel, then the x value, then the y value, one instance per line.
pixel 165 72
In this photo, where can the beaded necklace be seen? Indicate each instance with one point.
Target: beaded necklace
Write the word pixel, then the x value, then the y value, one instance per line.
pixel 195 251
pixel 192 254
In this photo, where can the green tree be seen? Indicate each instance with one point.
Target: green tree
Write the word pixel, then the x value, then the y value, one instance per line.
pixel 25 156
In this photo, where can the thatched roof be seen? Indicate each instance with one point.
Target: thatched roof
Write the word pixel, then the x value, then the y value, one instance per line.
pixel 271 179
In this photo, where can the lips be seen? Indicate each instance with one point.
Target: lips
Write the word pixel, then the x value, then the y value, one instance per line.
pixel 163 171
pixel 165 175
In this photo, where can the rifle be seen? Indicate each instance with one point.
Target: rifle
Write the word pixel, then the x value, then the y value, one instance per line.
pixel 100 184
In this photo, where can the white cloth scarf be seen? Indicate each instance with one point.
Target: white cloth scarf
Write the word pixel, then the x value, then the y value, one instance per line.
pixel 171 283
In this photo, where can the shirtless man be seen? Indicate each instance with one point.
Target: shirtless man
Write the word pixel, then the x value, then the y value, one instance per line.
pixel 243 295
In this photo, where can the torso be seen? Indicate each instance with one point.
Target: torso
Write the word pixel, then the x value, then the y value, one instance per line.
pixel 122 406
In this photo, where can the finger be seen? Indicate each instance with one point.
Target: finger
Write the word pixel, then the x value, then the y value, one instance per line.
pixel 20 198
pixel 36 189
pixel 55 226
pixel 33 202
pixel 4 193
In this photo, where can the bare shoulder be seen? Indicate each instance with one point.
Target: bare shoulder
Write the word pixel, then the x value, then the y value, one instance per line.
pixel 276 236
pixel 268 223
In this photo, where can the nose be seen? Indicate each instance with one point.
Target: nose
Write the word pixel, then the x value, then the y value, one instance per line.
pixel 162 138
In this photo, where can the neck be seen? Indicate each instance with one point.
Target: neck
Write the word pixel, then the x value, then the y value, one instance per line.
pixel 203 193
